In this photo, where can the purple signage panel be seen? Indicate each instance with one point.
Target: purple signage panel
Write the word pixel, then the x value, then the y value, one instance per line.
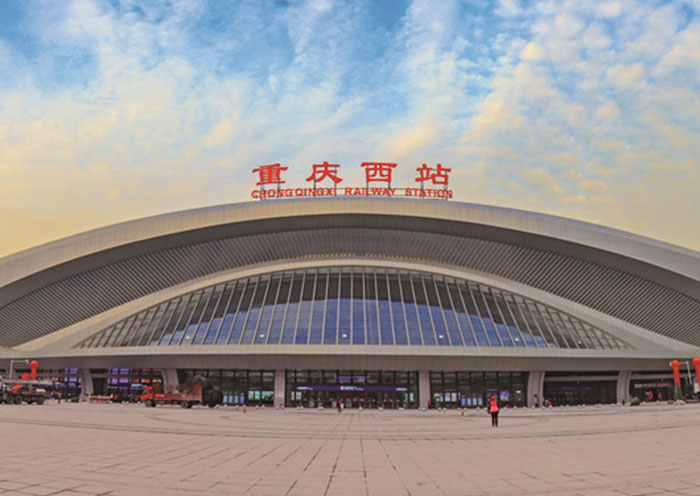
pixel 319 387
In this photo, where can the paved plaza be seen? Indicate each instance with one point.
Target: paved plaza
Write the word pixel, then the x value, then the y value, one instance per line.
pixel 83 449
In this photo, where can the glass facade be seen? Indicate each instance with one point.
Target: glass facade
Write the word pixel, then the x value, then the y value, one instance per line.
pixel 124 384
pixel 474 389
pixel 658 385
pixel 240 387
pixel 68 384
pixel 355 388
pixel 580 388
pixel 353 306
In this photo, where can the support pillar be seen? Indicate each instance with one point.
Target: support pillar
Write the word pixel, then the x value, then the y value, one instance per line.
pixel 280 384
pixel 170 380
pixel 86 388
pixel 535 387
pixel 623 386
pixel 423 388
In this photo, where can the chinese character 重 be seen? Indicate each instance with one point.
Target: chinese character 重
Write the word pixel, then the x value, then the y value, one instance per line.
pixel 270 174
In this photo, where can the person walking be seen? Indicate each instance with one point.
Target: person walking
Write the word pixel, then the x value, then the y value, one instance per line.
pixel 493 410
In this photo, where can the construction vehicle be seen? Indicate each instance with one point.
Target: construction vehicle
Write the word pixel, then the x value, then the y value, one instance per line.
pixel 19 391
pixel 26 389
pixel 196 394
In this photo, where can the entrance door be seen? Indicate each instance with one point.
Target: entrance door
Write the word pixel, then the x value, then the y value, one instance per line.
pixel 99 386
pixel 580 392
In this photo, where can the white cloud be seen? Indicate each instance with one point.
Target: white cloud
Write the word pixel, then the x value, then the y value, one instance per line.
pixel 584 108
pixel 567 25
pixel 532 51
pixel 684 54
pixel 609 111
pixel 509 7
pixel 579 109
pixel 627 76
pixel 609 9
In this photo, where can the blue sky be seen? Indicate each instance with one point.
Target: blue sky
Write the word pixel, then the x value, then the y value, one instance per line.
pixel 111 110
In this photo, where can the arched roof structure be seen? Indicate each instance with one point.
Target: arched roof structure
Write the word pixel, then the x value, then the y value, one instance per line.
pixel 643 291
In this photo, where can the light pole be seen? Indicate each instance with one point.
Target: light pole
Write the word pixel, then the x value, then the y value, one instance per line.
pixel 687 365
pixel 691 383
pixel 12 363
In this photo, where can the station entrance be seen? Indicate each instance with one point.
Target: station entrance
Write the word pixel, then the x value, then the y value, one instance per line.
pixel 354 388
pixel 651 386
pixel 580 388
pixel 239 387
pixel 474 389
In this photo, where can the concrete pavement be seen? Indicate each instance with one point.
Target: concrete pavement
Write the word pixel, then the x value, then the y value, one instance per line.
pixel 82 449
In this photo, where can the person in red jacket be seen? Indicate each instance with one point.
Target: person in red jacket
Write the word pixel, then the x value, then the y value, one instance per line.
pixel 493 410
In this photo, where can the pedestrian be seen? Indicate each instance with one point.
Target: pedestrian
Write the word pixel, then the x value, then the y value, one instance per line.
pixel 340 406
pixel 493 410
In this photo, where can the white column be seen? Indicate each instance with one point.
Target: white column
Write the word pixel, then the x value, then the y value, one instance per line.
pixel 86 388
pixel 535 387
pixel 423 388
pixel 280 383
pixel 623 386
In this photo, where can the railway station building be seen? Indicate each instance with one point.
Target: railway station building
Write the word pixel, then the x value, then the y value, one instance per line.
pixel 391 302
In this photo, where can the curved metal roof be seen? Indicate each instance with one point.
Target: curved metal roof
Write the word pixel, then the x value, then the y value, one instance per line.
pixel 653 285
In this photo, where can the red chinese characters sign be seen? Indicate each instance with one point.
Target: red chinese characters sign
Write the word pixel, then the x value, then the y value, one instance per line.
pixel 437 175
pixel 378 171
pixel 433 182
pixel 269 174
pixel 323 171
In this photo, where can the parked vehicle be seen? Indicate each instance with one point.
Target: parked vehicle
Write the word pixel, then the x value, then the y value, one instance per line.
pixel 196 394
pixel 23 391
pixel 26 389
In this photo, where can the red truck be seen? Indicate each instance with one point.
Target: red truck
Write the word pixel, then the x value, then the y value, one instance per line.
pixel 194 395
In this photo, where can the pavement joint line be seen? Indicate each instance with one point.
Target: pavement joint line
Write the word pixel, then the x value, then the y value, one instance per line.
pixel 276 466
pixel 335 465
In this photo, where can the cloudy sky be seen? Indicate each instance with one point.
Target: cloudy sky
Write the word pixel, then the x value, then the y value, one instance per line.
pixel 117 109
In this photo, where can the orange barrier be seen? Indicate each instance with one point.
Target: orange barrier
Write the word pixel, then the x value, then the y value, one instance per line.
pixel 98 399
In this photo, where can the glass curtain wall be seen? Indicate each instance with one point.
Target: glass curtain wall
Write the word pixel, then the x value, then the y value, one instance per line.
pixel 650 386
pixel 580 388
pixel 240 387
pixel 353 306
pixel 68 385
pixel 124 384
pixel 355 388
pixel 474 389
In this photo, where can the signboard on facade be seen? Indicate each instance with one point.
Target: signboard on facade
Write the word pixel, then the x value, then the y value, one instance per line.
pixel 325 179
pixel 361 388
